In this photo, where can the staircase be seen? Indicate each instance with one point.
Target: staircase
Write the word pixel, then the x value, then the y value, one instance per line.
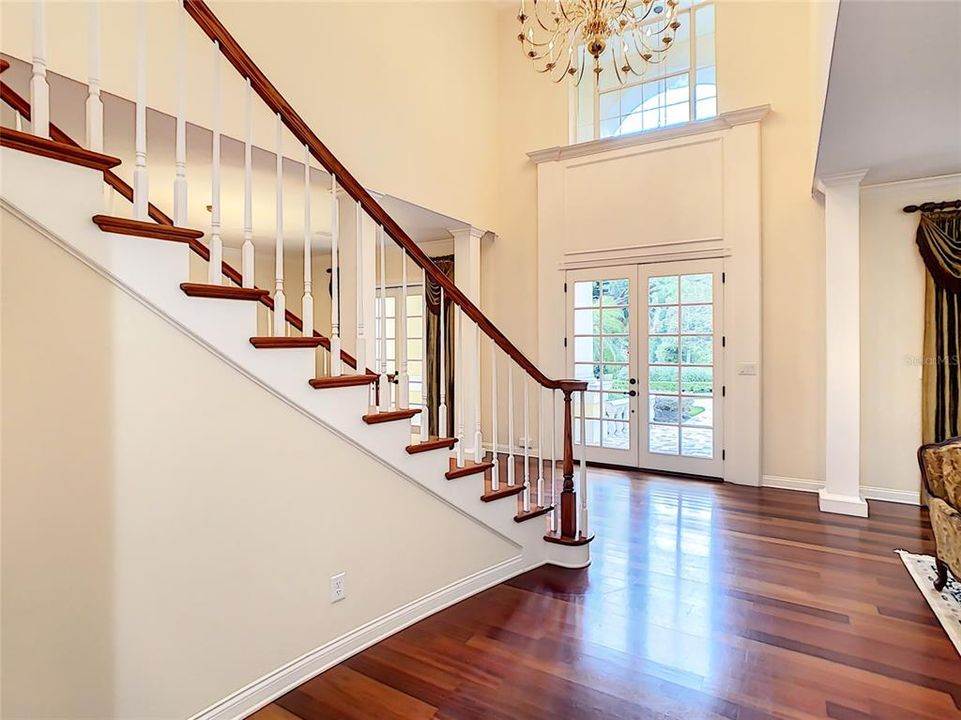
pixel 57 185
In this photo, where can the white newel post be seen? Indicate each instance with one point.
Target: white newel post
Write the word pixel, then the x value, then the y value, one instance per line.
pixel 495 471
pixel 424 420
pixel 361 289
pixel 280 301
pixel 467 242
pixel 460 379
pixel 94 104
pixel 510 423
pixel 140 184
pixel 215 267
pixel 180 141
pixel 527 445
pixel 383 385
pixel 442 405
pixel 842 234
pixel 403 377
pixel 336 362
pixel 584 525
pixel 247 252
pixel 307 308
pixel 39 89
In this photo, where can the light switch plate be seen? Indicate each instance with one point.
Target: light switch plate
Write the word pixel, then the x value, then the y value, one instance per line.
pixel 747 368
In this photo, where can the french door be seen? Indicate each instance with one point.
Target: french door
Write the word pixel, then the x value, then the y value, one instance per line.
pixel 648 341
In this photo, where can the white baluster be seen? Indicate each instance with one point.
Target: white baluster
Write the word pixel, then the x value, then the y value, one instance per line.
pixel 383 386
pixel 247 252
pixel 336 362
pixel 280 301
pixel 361 296
pixel 527 447
pixel 140 184
pixel 424 422
pixel 215 267
pixel 510 423
pixel 39 89
pixel 478 435
pixel 18 123
pixel 180 143
pixel 540 445
pixel 442 406
pixel 460 382
pixel 496 470
pixel 553 518
pixel 94 105
pixel 403 378
pixel 584 528
pixel 307 309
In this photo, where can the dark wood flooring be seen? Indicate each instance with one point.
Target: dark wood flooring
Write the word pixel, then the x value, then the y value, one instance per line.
pixel 703 600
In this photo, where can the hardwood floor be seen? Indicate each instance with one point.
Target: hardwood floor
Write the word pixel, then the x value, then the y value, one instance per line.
pixel 703 600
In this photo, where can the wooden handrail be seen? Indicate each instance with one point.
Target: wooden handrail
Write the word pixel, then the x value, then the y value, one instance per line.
pixel 215 30
pixel 18 103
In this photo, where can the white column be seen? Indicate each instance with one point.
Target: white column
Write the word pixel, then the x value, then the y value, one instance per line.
pixel 307 308
pixel 180 143
pixel 383 386
pixel 215 267
pixel 336 362
pixel 94 105
pixel 510 422
pixel 442 405
pixel 583 525
pixel 403 378
pixel 527 444
pixel 460 377
pixel 140 184
pixel 247 253
pixel 467 278
pixel 280 301
pixel 361 288
pixel 495 471
pixel 842 235
pixel 39 89
pixel 424 421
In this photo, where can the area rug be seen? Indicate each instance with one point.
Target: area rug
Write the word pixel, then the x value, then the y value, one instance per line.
pixel 947 603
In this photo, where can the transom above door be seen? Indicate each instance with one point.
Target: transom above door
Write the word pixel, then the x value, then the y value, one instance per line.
pixel 647 340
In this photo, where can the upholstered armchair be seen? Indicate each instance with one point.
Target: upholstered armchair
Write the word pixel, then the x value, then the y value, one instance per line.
pixel 941 470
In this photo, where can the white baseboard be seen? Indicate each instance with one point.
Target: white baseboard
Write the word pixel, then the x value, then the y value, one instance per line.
pixel 274 684
pixel 868 492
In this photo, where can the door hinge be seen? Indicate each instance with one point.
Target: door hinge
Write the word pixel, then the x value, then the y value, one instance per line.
pixel 565 287
pixel 723 454
pixel 723 390
pixel 723 340
pixel 723 278
pixel 565 342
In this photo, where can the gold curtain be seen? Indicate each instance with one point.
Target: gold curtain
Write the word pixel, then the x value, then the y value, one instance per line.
pixel 939 240
pixel 432 360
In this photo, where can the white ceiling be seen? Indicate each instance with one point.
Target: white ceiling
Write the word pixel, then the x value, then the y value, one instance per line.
pixel 67 111
pixel 894 94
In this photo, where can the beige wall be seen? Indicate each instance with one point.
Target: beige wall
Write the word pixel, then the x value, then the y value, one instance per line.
pixel 892 330
pixel 168 526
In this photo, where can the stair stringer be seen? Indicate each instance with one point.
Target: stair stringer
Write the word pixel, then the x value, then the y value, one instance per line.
pixel 59 200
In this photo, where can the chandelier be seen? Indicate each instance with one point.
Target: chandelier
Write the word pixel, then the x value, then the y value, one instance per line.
pixel 563 37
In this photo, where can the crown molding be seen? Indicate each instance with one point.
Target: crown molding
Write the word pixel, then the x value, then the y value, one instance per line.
pixel 854 177
pixel 724 121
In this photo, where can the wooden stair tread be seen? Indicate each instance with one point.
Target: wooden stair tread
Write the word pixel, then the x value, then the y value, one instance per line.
pixel 389 416
pixel 435 443
pixel 297 341
pixel 142 228
pixel 503 492
pixel 555 537
pixel 321 383
pixel 470 468
pixel 45 147
pixel 222 292
pixel 532 513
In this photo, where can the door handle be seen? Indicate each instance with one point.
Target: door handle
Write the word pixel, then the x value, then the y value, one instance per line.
pixel 633 393
pixel 633 381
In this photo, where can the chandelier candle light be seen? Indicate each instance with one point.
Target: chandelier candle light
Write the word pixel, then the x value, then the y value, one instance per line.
pixel 563 37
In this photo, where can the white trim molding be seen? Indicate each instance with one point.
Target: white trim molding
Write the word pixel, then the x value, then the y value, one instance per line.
pixel 271 686
pixel 868 492
pixel 724 121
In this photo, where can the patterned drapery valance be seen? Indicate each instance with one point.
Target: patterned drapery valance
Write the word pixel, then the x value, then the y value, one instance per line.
pixel 939 239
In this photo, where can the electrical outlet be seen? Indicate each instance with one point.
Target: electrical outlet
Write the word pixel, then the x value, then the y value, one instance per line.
pixel 338 587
